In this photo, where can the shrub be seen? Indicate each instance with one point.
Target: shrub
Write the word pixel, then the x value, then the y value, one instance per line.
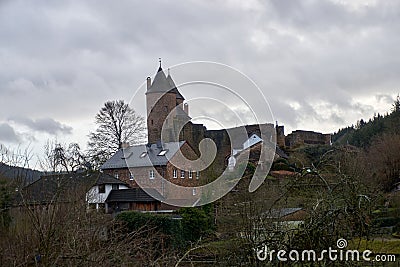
pixel 386 221
pixel 167 227
pixel 196 222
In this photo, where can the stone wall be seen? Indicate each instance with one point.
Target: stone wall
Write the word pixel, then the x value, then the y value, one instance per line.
pixel 300 137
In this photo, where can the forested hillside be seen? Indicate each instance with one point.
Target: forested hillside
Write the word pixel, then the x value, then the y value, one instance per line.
pixel 363 132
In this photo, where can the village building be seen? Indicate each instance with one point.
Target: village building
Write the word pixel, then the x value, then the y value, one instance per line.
pixel 172 137
pixel 91 188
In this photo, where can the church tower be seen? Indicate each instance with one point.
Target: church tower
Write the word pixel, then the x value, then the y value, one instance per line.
pixel 162 97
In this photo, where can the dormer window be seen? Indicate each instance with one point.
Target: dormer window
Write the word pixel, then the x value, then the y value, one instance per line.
pixel 143 154
pixel 162 152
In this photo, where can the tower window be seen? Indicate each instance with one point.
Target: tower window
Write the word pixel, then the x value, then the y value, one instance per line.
pixel 190 174
pixel 151 174
pixel 174 173
pixel 151 122
pixel 197 175
pixel 182 174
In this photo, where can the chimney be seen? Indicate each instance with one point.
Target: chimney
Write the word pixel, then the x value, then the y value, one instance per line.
pixel 124 145
pixel 186 108
pixel 148 82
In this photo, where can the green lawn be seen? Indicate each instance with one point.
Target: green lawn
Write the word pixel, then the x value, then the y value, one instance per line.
pixel 377 245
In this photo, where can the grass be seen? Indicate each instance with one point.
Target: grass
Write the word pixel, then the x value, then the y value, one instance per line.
pixel 377 245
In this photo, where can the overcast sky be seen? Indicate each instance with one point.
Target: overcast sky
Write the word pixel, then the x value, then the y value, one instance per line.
pixel 321 64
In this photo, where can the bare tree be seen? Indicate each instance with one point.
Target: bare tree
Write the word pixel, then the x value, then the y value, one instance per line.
pixel 335 201
pixel 61 231
pixel 384 160
pixel 62 158
pixel 117 123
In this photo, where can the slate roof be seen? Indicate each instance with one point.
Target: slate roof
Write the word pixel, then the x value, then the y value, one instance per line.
pixel 62 187
pixel 160 83
pixel 131 156
pixel 133 195
pixel 174 88
pixel 163 84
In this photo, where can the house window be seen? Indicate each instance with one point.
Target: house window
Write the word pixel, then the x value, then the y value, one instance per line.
pixel 182 174
pixel 116 175
pixel 194 192
pixel 102 189
pixel 115 187
pixel 175 173
pixel 190 174
pixel 131 176
pixel 151 174
pixel 197 175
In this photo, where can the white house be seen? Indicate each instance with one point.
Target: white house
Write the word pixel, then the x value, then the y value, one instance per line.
pixel 98 193
pixel 249 142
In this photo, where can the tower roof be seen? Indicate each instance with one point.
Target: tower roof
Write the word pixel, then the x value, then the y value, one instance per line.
pixel 173 86
pixel 163 84
pixel 160 83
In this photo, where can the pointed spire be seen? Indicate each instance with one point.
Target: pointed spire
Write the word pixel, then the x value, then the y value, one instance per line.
pixel 160 83
pixel 159 60
pixel 173 86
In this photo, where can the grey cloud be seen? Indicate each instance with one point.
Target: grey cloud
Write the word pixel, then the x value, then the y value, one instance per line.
pixel 384 98
pixel 337 119
pixel 8 134
pixel 47 125
pixel 65 58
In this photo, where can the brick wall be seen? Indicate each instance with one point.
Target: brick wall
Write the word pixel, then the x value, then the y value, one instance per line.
pixel 158 109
